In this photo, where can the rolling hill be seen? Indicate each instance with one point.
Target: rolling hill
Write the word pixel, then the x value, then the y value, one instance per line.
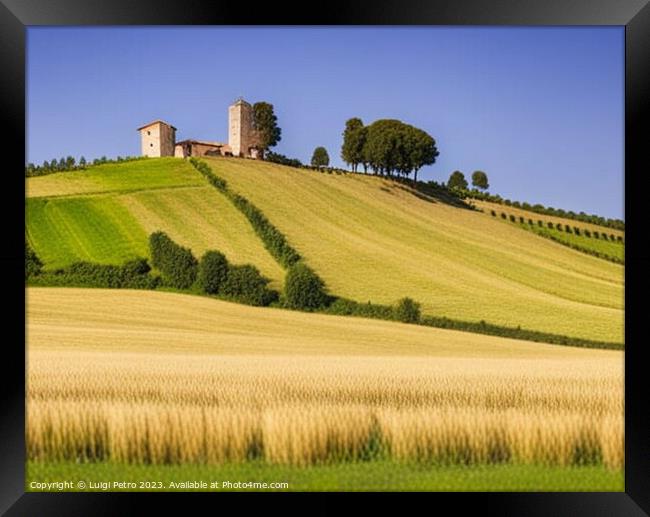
pixel 370 240
pixel 106 214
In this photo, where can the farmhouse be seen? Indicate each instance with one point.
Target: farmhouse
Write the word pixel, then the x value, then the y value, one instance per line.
pixel 158 138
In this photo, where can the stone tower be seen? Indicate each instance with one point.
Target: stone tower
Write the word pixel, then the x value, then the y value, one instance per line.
pixel 240 128
pixel 158 139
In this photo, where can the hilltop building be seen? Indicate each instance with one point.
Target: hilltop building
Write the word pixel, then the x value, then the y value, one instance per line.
pixel 158 138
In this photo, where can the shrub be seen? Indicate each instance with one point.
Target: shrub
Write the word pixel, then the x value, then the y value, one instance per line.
pixel 494 214
pixel 176 263
pixel 567 228
pixel 530 221
pixel 245 284
pixel 559 226
pixel 596 235
pixel 513 218
pixel 550 225
pixel 213 271
pixel 522 220
pixel 407 311
pixel 576 230
pixel 344 307
pixel 133 274
pixel 33 265
pixel 503 215
pixel 612 237
pixel 587 233
pixel 619 238
pixel 303 288
pixel 540 223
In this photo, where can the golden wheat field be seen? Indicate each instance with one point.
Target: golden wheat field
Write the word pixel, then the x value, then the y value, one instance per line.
pixel 293 395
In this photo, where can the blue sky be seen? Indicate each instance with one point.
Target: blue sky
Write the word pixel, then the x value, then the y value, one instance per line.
pixel 540 109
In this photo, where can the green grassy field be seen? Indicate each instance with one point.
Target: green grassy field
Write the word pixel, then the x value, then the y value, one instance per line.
pixel 369 476
pixel 116 177
pixel 70 219
pixel 371 240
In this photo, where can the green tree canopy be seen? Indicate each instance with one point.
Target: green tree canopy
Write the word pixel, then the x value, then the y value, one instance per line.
pixel 457 180
pixel 265 124
pixel 480 180
pixel 320 158
pixel 354 139
pixel 395 147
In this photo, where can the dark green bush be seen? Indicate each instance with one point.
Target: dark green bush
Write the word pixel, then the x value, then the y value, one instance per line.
pixel 512 218
pixel 503 215
pixel 33 265
pixel 530 222
pixel 134 274
pixel 407 311
pixel 344 307
pixel 176 263
pixel 522 220
pixel 303 288
pixel 559 226
pixel 576 230
pixel 587 233
pixel 213 271
pixel 494 214
pixel 567 228
pixel 596 235
pixel 245 284
pixel 549 224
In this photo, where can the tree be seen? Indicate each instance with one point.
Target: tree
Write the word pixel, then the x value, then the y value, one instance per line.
pixel 391 146
pixel 213 271
pixel 82 162
pixel 354 139
pixel 304 289
pixel 320 158
pixel 407 311
pixel 424 151
pixel 69 162
pixel 457 180
pixel 265 125
pixel 46 166
pixel 480 180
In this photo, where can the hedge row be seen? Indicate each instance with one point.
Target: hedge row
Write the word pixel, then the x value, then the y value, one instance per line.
pixel 274 241
pixel 563 227
pixel 33 265
pixel 134 274
pixel 405 310
pixel 176 263
pixel 616 224
pixel 583 249
pixel 69 164
pixel 516 333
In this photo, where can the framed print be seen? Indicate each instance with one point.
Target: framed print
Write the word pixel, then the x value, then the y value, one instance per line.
pixel 381 251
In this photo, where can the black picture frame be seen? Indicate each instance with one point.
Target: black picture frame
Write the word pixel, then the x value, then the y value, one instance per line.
pixel 16 15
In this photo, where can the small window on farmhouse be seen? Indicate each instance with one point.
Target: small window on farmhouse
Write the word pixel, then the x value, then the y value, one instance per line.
pixel 150 145
pixel 148 132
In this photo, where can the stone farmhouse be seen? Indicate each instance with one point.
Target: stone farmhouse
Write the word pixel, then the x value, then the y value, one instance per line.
pixel 158 138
